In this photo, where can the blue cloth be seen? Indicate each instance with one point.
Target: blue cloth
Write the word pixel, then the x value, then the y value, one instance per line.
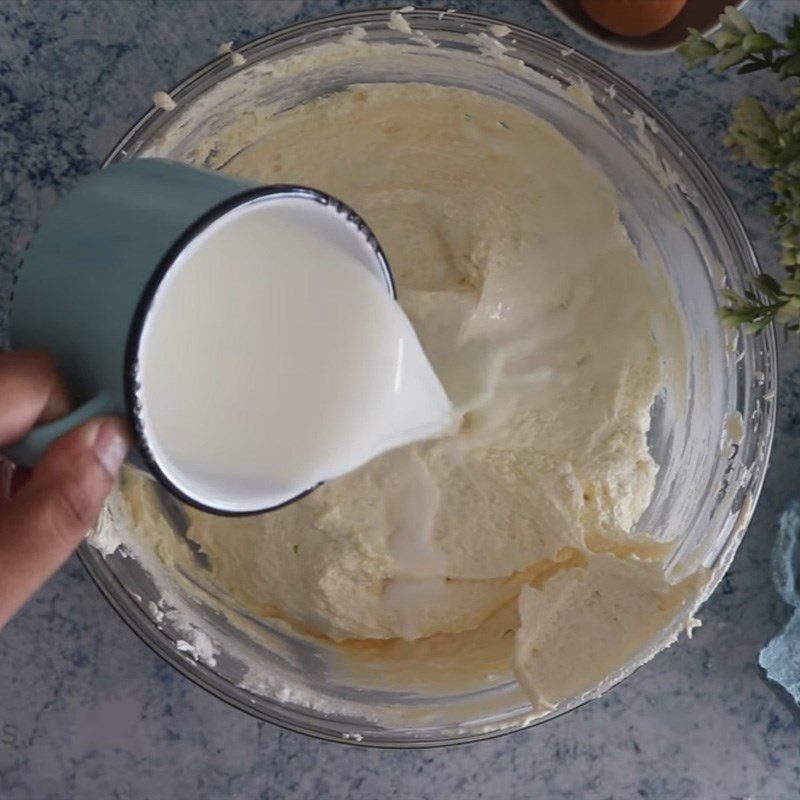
pixel 780 659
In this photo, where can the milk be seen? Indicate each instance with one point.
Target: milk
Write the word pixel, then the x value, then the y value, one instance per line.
pixel 273 358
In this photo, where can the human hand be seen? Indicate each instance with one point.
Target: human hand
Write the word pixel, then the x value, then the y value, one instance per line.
pixel 45 513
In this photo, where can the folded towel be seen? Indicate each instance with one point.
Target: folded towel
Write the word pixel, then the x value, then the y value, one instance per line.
pixel 781 657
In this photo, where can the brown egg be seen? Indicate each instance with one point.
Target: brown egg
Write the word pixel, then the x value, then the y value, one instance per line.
pixel 633 17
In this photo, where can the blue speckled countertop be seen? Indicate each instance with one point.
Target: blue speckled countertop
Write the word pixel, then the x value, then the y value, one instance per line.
pixel 87 711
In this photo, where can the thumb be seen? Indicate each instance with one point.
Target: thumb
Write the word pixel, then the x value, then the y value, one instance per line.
pixel 48 518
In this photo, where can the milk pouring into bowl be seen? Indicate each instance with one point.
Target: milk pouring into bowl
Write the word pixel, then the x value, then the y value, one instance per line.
pixel 250 333
pixel 301 366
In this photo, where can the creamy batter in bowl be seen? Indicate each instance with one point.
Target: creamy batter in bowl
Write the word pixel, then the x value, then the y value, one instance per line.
pixel 708 429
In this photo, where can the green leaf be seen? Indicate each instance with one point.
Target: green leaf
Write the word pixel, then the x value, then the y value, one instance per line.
pixel 768 285
pixel 752 66
pixel 757 326
pixel 695 49
pixel 758 43
pixel 725 39
pixel 730 295
pixel 730 58
pixel 791 287
pixel 737 20
pixel 790 67
pixel 793 32
pixel 731 316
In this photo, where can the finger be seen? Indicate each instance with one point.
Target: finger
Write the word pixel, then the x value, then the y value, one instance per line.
pixel 51 513
pixel 32 391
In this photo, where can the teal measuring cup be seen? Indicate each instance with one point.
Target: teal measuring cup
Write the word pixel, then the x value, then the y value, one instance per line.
pixel 90 272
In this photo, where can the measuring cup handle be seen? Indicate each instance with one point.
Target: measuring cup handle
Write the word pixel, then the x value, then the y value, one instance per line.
pixel 27 451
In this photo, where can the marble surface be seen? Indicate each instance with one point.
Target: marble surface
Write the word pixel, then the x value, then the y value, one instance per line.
pixel 87 711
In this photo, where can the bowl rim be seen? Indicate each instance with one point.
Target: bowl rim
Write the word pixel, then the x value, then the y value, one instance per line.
pixel 725 215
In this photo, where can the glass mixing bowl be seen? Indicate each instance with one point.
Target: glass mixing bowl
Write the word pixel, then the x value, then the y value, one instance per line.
pixel 686 232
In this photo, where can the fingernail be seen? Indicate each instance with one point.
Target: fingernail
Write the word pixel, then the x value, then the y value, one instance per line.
pixel 111 445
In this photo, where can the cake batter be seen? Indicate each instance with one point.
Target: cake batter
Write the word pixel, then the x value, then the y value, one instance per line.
pixel 537 315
